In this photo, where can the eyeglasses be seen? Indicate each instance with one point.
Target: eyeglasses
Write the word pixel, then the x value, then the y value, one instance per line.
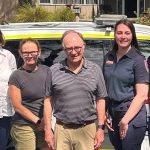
pixel 76 48
pixel 32 53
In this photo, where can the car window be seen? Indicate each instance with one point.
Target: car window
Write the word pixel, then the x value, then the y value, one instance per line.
pixel 52 51
pixel 144 46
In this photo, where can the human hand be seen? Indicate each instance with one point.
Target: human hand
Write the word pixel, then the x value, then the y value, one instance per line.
pixel 40 127
pixel 49 138
pixel 108 122
pixel 99 138
pixel 123 128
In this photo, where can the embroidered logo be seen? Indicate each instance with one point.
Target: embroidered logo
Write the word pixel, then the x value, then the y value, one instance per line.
pixel 109 62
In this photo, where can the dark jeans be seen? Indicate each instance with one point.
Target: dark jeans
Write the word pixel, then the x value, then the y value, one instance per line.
pixel 5 124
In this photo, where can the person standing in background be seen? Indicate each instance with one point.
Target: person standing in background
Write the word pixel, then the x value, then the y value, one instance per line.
pixel 27 93
pixel 127 80
pixel 7 66
pixel 76 90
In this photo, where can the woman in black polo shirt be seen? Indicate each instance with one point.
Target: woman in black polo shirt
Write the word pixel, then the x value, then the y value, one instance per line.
pixel 127 85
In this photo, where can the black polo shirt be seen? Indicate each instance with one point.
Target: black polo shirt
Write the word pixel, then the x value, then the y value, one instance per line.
pixel 122 76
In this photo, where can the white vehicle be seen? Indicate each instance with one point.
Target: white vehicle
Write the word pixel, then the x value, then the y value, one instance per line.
pixel 98 38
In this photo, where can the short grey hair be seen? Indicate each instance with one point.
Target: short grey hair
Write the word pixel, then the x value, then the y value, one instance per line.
pixel 68 32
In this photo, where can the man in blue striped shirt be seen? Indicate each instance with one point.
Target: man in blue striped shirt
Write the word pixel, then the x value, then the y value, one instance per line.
pixel 75 87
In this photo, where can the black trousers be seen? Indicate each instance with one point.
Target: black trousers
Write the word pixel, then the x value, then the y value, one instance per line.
pixel 132 141
pixel 5 124
pixel 149 129
pixel 136 127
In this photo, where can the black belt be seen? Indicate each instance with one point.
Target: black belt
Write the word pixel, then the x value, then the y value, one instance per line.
pixel 114 102
pixel 72 125
pixel 118 110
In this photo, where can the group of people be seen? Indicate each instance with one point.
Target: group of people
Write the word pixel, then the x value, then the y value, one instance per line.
pixel 82 97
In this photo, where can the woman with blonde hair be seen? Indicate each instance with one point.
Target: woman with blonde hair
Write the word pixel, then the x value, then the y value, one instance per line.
pixel 27 92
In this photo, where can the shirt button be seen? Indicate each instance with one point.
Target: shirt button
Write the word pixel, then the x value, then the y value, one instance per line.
pixel 121 108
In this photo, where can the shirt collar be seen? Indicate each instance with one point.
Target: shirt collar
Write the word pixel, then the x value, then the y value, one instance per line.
pixel 2 51
pixel 63 64
pixel 129 54
pixel 112 53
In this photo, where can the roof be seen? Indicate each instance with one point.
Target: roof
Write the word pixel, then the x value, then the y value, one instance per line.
pixel 56 29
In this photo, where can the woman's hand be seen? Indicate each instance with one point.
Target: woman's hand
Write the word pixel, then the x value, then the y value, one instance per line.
pixel 123 128
pixel 108 122
pixel 40 127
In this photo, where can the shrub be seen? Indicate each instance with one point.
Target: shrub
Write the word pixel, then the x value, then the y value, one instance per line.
pixel 144 19
pixel 64 14
pixel 28 13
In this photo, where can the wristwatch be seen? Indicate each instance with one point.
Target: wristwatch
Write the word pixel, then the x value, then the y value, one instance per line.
pixel 101 127
pixel 38 122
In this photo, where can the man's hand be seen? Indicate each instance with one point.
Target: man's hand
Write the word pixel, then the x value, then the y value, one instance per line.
pixel 49 138
pixel 99 138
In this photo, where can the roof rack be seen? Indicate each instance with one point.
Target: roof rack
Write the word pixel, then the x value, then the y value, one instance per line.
pixel 109 20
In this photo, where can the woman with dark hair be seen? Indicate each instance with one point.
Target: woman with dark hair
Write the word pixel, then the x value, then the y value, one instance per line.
pixel 127 81
pixel 27 92
pixel 7 66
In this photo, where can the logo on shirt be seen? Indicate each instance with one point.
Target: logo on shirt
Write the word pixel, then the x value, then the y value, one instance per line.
pixel 109 62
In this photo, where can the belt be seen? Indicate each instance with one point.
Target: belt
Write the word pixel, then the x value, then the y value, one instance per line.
pixel 72 125
pixel 118 110
pixel 114 102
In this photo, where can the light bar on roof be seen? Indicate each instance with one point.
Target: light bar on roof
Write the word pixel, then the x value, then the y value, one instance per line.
pixel 109 20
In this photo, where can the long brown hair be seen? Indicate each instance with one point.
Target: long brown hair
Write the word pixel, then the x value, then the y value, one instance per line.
pixel 2 41
pixel 130 25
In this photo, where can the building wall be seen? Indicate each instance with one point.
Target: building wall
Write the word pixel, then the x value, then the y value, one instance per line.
pixel 7 9
pixel 86 11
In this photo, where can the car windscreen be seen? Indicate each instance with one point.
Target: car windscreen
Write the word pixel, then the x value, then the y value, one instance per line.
pixel 52 51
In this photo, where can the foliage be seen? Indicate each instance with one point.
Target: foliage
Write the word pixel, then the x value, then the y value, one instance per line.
pixel 64 14
pixel 28 13
pixel 145 19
